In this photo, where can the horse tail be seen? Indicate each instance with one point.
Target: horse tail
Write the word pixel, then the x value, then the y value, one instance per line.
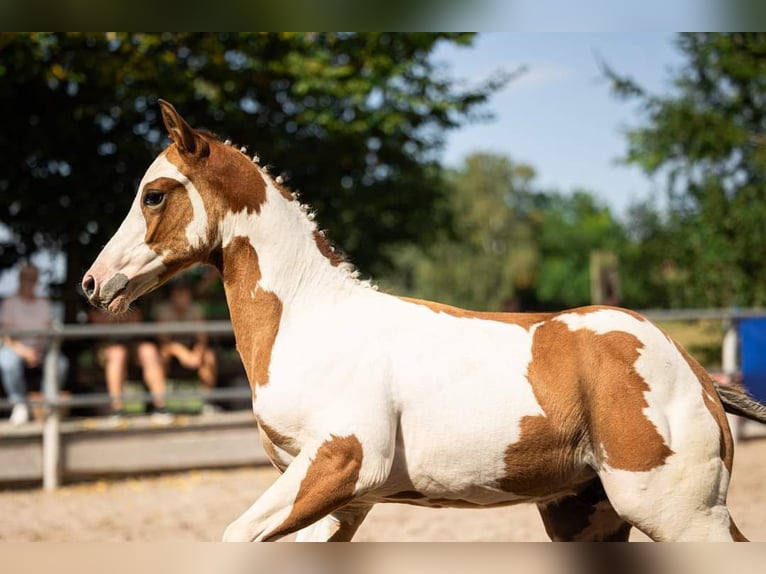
pixel 737 402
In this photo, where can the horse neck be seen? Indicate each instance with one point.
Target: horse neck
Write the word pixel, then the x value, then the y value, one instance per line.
pixel 274 250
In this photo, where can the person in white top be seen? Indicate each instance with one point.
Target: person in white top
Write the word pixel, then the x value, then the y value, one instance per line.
pixel 24 311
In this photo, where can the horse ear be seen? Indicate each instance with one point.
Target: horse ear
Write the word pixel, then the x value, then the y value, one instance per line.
pixel 184 136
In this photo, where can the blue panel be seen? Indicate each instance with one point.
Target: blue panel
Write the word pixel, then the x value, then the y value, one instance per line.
pixel 752 340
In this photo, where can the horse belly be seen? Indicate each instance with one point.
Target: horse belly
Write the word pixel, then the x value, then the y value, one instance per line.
pixel 478 473
pixel 482 453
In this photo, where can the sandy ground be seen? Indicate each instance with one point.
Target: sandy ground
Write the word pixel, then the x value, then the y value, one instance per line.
pixel 198 505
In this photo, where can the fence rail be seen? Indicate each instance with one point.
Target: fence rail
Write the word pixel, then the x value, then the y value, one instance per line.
pixel 53 403
pixel 725 314
pixel 132 330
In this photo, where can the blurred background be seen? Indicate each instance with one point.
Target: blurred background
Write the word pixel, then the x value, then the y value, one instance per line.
pixel 493 171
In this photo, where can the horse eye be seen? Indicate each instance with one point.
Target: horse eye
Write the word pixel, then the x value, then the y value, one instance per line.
pixel 153 198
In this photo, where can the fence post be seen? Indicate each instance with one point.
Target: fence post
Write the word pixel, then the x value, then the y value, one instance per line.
pixel 730 367
pixel 52 415
pixel 729 362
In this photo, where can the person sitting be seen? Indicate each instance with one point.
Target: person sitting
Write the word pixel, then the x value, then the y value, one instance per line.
pixel 192 352
pixel 115 355
pixel 26 310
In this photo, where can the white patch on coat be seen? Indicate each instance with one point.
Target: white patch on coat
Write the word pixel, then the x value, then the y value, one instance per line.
pixel 320 531
pixel 436 403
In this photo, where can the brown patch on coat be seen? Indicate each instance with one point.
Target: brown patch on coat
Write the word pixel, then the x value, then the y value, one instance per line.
pixel 593 398
pixel 329 483
pixel 525 320
pixel 615 393
pixel 225 178
pixel 543 461
pixel 334 257
pixel 255 312
pixel 166 236
pixel 227 183
pixel 713 404
pixel 586 516
pixel 736 534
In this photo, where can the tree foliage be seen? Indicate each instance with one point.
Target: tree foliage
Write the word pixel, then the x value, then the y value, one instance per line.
pixel 353 119
pixel 489 251
pixel 707 141
pixel 513 244
pixel 573 227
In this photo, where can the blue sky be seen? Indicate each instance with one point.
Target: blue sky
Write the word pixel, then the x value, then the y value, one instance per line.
pixel 560 116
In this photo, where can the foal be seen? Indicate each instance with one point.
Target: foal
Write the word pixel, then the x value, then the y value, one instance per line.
pixel 361 397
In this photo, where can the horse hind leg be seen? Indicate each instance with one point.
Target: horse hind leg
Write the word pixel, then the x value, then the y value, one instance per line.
pixel 668 506
pixel 666 456
pixel 586 516
pixel 682 498
pixel 339 526
pixel 736 533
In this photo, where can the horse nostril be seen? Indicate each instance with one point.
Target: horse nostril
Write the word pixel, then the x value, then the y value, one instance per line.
pixel 89 286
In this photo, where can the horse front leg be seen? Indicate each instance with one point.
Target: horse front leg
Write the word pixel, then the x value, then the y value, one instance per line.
pixel 320 480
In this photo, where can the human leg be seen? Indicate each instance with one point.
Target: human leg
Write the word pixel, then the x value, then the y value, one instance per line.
pixel 12 369
pixel 115 367
pixel 154 372
pixel 208 371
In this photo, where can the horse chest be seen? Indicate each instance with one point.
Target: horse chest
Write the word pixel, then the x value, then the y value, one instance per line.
pixel 275 445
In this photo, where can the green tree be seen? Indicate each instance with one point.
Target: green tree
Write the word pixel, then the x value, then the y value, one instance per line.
pixel 511 243
pixel 490 251
pixel 572 227
pixel 353 119
pixel 707 141
pixel 650 277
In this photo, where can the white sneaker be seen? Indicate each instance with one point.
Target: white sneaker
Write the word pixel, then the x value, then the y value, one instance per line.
pixel 210 409
pixel 117 419
pixel 162 417
pixel 19 415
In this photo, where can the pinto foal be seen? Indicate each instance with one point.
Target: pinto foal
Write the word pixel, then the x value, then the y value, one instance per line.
pixel 361 397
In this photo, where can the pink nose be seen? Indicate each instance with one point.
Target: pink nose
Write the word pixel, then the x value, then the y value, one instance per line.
pixel 89 286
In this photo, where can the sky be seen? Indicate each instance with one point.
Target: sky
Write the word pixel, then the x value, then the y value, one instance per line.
pixel 560 116
pixel 606 15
